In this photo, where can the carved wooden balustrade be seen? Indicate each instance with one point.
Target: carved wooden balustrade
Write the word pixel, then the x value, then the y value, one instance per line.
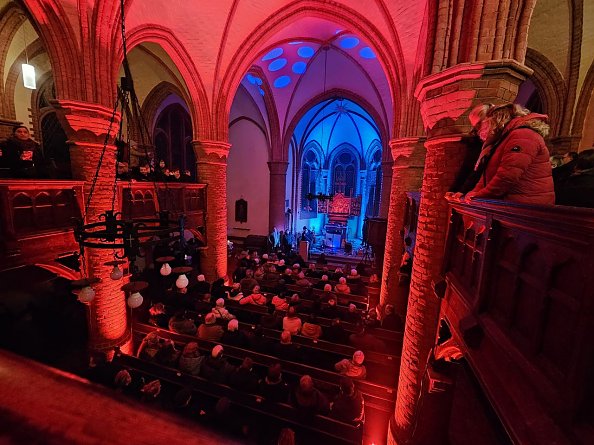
pixel 36 220
pixel 141 199
pixel 519 303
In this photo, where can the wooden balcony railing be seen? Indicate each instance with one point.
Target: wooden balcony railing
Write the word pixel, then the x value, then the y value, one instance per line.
pixel 142 199
pixel 36 219
pixel 520 303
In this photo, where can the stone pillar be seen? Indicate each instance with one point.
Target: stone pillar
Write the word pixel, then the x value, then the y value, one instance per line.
pixel 86 125
pixel 278 183
pixel 211 169
pixel 446 99
pixel 407 176
pixel 386 188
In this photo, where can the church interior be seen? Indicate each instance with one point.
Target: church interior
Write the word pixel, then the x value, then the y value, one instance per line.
pixel 279 222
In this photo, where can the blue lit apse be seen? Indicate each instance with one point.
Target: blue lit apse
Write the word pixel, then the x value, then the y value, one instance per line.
pixel 306 52
pixel 276 52
pixel 277 64
pixel 299 67
pixel 282 81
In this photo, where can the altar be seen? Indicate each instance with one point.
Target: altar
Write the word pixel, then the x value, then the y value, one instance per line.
pixel 339 209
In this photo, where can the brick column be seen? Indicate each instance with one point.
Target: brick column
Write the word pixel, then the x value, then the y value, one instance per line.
pixel 278 183
pixel 407 175
pixel 386 188
pixel 86 125
pixel 446 99
pixel 211 168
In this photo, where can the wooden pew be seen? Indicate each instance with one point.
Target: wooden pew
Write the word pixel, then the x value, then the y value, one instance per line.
pixel 376 396
pixel 330 429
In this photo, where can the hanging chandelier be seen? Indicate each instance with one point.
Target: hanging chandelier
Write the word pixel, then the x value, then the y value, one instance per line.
pixel 126 236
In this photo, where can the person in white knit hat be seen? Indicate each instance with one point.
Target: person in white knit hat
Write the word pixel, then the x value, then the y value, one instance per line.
pixel 203 286
pixel 353 368
pixel 221 312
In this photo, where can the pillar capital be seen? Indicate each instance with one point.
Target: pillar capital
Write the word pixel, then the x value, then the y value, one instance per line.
pixel 211 152
pixel 448 96
pixel 86 121
pixel 408 152
pixel 278 167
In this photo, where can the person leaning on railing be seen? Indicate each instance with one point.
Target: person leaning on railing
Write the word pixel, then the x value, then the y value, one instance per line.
pixel 514 160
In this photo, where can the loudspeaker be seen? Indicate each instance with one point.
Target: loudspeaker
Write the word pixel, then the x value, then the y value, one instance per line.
pixel 376 231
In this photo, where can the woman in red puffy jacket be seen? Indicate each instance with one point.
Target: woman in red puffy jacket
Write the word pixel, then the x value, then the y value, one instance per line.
pixel 514 161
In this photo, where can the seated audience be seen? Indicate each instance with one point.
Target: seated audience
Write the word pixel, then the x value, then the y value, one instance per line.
pixel 323 283
pixel 348 405
pixel 311 329
pixel 255 298
pixel 565 169
pixel 149 347
pixel 578 189
pixel 150 391
pixel 331 310
pixel 233 336
pixel 244 378
pixel 288 277
pixel 273 387
pixel 248 283
pixel 181 324
pixel 366 342
pixel 167 355
pixel 371 321
pixel 202 286
pixel 302 281
pixel 218 289
pixel 221 312
pixel 352 368
pixel 342 287
pixel 353 315
pixel 354 277
pixel 391 320
pixel 308 400
pixel 215 367
pixel 286 349
pixel 209 330
pixel 291 322
pixel 335 333
pixel 158 317
pixel 191 359
pixel 280 303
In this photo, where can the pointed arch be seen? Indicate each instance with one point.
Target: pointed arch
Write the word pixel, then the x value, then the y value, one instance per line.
pixel 390 57
pixel 164 37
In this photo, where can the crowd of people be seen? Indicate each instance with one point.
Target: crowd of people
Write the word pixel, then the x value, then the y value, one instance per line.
pixel 145 171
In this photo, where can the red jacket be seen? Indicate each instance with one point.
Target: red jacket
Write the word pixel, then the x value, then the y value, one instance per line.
pixel 520 169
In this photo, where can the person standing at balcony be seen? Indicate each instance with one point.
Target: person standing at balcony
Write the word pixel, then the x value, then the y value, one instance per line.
pixel 21 154
pixel 578 189
pixel 514 161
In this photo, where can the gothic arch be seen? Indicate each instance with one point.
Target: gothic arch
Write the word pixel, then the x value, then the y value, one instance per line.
pixel 51 23
pixel 33 50
pixel 391 59
pixel 583 102
pixel 551 85
pixel 363 103
pixel 198 100
pixel 276 151
pixel 155 98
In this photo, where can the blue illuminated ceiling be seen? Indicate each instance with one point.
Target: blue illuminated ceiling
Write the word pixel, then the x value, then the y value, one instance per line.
pixel 335 122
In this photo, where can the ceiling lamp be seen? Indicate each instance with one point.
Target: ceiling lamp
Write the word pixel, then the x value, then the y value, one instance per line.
pixel 82 288
pixel 29 80
pixel 133 289
pixel 165 269
pixel 116 272
pixel 182 281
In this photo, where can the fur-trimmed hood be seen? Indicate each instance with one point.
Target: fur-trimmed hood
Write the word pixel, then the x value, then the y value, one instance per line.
pixel 534 121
